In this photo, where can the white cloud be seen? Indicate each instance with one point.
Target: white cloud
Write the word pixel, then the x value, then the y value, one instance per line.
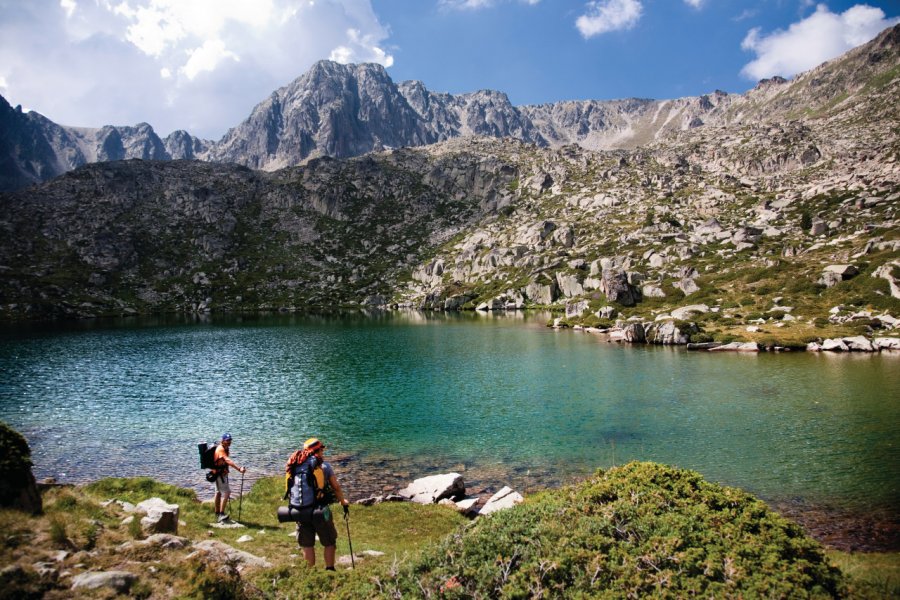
pixel 695 3
pixel 199 65
pixel 69 6
pixel 603 16
pixel 206 58
pixel 811 41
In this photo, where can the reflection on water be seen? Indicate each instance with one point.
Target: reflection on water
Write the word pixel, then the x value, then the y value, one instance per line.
pixel 410 393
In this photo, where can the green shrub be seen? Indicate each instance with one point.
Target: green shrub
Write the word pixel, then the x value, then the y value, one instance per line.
pixel 58 534
pixel 65 502
pixel 805 220
pixel 91 533
pixel 210 583
pixel 701 338
pixel 642 530
pixel 15 455
pixel 820 322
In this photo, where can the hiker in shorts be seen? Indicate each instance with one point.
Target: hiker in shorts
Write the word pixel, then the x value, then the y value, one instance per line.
pixel 223 490
pixel 312 487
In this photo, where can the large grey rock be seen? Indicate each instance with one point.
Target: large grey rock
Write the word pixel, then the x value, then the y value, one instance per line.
pixel 652 291
pixel 120 581
pixel 222 553
pixel 162 517
pixel 505 498
pixel 845 271
pixel 668 334
pixel 830 279
pixel 834 345
pixel 607 312
pixel 431 489
pixel 736 347
pixel 688 286
pixel 569 284
pixel 542 292
pixel 617 289
pixel 576 309
pixel 685 312
pixel 634 333
pixel 859 344
pixel 886 343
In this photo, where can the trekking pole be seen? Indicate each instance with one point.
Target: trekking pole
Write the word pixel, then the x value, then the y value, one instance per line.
pixel 241 500
pixel 349 541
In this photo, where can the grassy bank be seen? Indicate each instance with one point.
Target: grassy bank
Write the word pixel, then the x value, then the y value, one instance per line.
pixel 641 528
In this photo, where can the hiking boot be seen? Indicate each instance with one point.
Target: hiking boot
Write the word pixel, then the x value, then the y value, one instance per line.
pixel 222 518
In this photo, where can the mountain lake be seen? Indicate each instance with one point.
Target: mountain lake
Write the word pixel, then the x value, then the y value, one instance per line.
pixel 502 399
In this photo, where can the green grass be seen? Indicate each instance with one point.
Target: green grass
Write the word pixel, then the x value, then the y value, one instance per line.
pixel 873 575
pixel 642 529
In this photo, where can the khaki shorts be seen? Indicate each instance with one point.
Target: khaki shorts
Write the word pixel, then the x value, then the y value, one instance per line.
pixel 222 486
pixel 308 528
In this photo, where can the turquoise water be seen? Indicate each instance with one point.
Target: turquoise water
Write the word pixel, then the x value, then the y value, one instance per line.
pixel 504 398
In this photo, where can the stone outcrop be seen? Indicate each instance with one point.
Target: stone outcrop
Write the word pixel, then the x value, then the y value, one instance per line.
pixel 506 497
pixel 161 517
pixel 226 556
pixel 18 488
pixel 708 211
pixel 431 489
pixel 118 581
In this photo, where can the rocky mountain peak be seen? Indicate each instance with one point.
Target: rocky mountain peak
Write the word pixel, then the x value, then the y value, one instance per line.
pixel 344 110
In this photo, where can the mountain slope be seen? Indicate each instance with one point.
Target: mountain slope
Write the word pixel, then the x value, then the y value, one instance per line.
pixel 347 110
pixel 780 207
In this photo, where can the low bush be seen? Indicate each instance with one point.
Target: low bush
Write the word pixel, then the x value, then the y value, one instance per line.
pixel 635 531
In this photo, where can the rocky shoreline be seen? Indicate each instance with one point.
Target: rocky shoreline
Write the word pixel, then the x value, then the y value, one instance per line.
pixel 863 530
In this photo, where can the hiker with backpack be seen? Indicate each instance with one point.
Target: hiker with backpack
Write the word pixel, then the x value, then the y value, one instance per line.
pixel 221 462
pixel 311 486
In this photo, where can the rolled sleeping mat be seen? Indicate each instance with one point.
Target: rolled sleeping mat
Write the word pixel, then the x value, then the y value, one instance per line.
pixel 287 514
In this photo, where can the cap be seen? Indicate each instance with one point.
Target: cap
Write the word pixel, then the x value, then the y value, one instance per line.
pixel 226 437
pixel 313 444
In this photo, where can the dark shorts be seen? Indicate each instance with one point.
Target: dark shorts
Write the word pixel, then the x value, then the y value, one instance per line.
pixel 312 524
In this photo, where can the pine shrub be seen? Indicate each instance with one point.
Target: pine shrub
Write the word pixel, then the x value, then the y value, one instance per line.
pixel 642 530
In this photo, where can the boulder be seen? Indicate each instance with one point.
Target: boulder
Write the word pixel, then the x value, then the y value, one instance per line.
pixel 120 581
pixel 505 498
pixel 669 334
pixel 576 309
pixel 886 343
pixel 569 285
pixel 431 489
pixel 634 333
pixel 835 345
pixel 456 302
pixel 162 517
pixel 886 271
pixel 464 506
pixel 617 289
pixel 220 552
pixel 18 488
pixel 542 292
pixel 737 347
pixel 687 285
pixel 845 271
pixel 858 344
pixel 686 312
pixel 607 312
pixel 829 279
pixel 653 291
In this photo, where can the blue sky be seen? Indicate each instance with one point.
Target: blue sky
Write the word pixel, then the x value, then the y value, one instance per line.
pixel 202 65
